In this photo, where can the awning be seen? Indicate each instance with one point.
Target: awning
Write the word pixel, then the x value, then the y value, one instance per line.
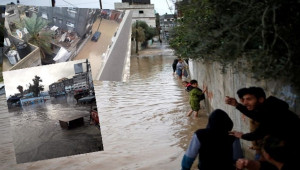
pixel 54 28
pixel 62 55
pixel 63 37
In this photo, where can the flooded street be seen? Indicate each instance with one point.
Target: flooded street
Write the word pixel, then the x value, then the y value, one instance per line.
pixel 37 134
pixel 143 121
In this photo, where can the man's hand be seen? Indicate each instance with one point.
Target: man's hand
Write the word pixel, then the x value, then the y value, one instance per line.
pixel 245 163
pixel 241 163
pixel 231 101
pixel 236 134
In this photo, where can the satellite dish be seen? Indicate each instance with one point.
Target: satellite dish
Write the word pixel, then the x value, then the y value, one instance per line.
pixel 19 33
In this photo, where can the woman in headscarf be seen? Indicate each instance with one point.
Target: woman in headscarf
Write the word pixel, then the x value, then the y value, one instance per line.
pixel 214 145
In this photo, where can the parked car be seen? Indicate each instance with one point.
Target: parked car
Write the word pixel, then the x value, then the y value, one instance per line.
pixel 96 36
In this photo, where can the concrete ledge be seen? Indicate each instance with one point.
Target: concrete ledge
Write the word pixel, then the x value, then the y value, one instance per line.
pixel 119 52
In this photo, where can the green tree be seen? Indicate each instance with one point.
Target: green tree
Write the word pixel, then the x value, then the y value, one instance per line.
pixel 265 34
pixel 148 32
pixel 37 35
pixel 36 88
pixel 140 34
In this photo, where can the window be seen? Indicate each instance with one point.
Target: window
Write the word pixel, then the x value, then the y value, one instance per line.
pixel 91 11
pixel 11 12
pixel 141 12
pixel 72 12
pixel 69 24
pixel 44 15
pixel 71 9
pixel 34 9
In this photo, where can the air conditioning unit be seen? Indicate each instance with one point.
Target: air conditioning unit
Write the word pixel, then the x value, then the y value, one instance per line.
pixel 13 57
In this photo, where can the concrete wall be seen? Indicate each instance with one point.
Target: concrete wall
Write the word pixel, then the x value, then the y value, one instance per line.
pixel 220 85
pixel 119 52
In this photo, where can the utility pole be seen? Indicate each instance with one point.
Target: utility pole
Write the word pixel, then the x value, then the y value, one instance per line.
pixel 87 74
pixel 53 3
pixel 100 4
pixel 136 38
pixel 99 23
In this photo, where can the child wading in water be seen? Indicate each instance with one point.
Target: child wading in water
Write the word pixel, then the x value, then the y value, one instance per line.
pixel 187 85
pixel 194 98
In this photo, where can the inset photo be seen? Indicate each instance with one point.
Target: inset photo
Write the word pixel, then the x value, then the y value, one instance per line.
pixel 53 111
pixel 41 35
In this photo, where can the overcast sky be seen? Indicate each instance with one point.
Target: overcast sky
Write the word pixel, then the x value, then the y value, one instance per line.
pixel 49 74
pixel 160 6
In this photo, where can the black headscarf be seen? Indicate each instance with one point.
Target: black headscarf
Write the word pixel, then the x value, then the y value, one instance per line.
pixel 219 121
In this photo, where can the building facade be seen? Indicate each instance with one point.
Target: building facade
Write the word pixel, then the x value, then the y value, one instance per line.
pixel 79 20
pixel 56 89
pixel 167 22
pixel 141 11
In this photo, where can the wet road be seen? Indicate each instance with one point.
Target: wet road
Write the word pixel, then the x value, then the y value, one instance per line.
pixel 37 134
pixel 143 121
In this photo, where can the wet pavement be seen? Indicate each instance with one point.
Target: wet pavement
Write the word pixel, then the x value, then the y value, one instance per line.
pixel 37 133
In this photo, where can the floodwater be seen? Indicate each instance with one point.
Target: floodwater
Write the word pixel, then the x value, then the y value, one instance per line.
pixel 143 121
pixel 37 134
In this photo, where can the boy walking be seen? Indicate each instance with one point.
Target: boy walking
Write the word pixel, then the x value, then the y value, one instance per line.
pixel 194 98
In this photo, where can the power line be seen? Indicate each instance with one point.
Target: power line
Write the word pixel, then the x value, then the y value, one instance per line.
pixel 169 6
pixel 69 3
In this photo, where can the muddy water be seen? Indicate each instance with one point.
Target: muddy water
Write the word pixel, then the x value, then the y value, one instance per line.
pixel 143 121
pixel 37 134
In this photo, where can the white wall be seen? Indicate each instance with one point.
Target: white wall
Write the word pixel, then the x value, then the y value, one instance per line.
pixel 220 85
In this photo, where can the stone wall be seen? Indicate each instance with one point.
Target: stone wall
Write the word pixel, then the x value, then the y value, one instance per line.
pixel 220 85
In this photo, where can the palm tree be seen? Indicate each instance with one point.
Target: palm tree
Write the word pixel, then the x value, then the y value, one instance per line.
pixel 37 36
pixel 36 87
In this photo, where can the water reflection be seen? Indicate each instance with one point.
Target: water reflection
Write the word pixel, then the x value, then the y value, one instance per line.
pixel 145 117
pixel 37 134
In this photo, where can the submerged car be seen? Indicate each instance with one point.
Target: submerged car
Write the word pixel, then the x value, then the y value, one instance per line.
pixel 96 36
